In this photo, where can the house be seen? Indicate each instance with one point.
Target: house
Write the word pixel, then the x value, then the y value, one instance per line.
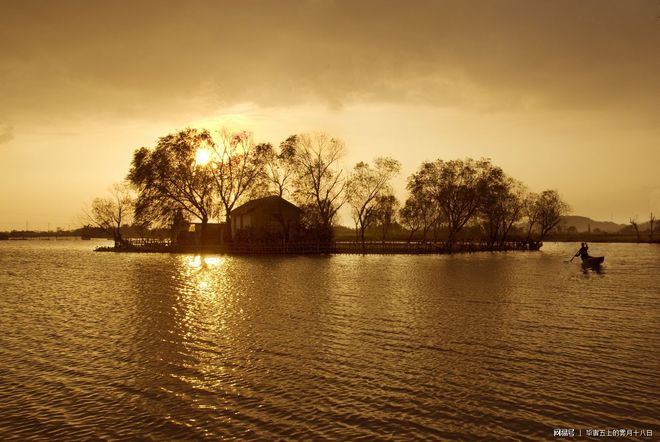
pixel 271 218
pixel 190 234
pixel 268 219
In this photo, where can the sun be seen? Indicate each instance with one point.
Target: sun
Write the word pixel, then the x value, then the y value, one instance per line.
pixel 202 156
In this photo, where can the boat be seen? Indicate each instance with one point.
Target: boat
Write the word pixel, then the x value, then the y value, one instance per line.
pixel 593 261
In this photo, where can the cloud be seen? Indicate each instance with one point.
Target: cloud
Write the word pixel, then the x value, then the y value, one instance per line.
pixel 6 133
pixel 79 58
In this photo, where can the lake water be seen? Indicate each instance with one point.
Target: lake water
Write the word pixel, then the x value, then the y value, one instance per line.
pixel 177 347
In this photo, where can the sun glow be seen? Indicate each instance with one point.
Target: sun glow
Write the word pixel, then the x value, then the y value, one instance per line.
pixel 198 261
pixel 202 156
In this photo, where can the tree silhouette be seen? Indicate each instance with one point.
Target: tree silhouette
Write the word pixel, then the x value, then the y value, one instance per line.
pixel 635 225
pixel 384 213
pixel 236 166
pixel 501 206
pixel 457 186
pixel 531 212
pixel 169 177
pixel 280 166
pixel 111 213
pixel 319 181
pixel 422 203
pixel 412 216
pixel 550 209
pixel 651 222
pixel 365 186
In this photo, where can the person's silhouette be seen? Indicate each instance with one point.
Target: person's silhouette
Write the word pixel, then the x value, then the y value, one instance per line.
pixel 583 252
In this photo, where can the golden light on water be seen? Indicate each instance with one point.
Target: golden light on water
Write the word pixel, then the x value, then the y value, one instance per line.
pixel 198 261
pixel 197 270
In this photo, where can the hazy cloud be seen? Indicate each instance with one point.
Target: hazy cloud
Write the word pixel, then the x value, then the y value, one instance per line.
pixel 6 133
pixel 150 57
pixel 561 93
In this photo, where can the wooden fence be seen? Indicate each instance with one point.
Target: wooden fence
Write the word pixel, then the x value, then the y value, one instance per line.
pixel 419 248
pixel 337 247
pixel 149 244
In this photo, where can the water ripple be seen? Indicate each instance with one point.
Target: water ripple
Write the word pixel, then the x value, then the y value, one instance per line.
pixel 483 346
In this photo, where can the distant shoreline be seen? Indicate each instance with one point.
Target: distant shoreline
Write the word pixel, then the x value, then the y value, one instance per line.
pixel 600 238
pixel 595 238
pixel 46 238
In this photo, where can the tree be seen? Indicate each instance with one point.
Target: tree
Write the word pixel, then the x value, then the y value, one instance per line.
pixel 501 205
pixel 173 176
pixel 411 216
pixel 280 165
pixel 460 187
pixel 550 209
pixel 319 182
pixel 531 212
pixel 635 225
pixel 651 222
pixel 142 226
pixel 111 213
pixel 457 188
pixel 491 210
pixel 422 202
pixel 364 188
pixel 513 205
pixel 236 166
pixel 384 213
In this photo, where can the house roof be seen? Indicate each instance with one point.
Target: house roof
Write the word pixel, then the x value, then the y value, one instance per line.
pixel 275 202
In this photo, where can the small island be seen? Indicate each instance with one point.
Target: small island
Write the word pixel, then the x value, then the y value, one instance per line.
pixel 176 191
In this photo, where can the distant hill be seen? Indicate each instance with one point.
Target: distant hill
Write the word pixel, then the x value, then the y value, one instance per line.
pixel 584 224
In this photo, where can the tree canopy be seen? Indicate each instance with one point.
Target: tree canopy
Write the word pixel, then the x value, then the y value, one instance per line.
pixel 113 212
pixel 236 165
pixel 319 180
pixel 366 187
pixel 168 177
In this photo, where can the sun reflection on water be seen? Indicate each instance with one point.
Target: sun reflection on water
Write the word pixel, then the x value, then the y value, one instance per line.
pixel 210 293
pixel 203 274
pixel 209 289
pixel 198 261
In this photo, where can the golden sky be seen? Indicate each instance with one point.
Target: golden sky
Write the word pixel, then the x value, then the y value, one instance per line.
pixel 561 94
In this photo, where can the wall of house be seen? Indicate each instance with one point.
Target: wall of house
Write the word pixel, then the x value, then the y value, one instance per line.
pixel 262 222
pixel 191 234
pixel 240 222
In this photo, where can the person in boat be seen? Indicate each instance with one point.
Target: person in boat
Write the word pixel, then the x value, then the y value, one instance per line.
pixel 583 252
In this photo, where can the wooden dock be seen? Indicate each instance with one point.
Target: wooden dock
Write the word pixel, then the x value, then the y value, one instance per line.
pixel 418 248
pixel 136 245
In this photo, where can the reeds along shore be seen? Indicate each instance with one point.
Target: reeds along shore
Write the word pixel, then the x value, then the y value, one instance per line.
pixel 336 247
